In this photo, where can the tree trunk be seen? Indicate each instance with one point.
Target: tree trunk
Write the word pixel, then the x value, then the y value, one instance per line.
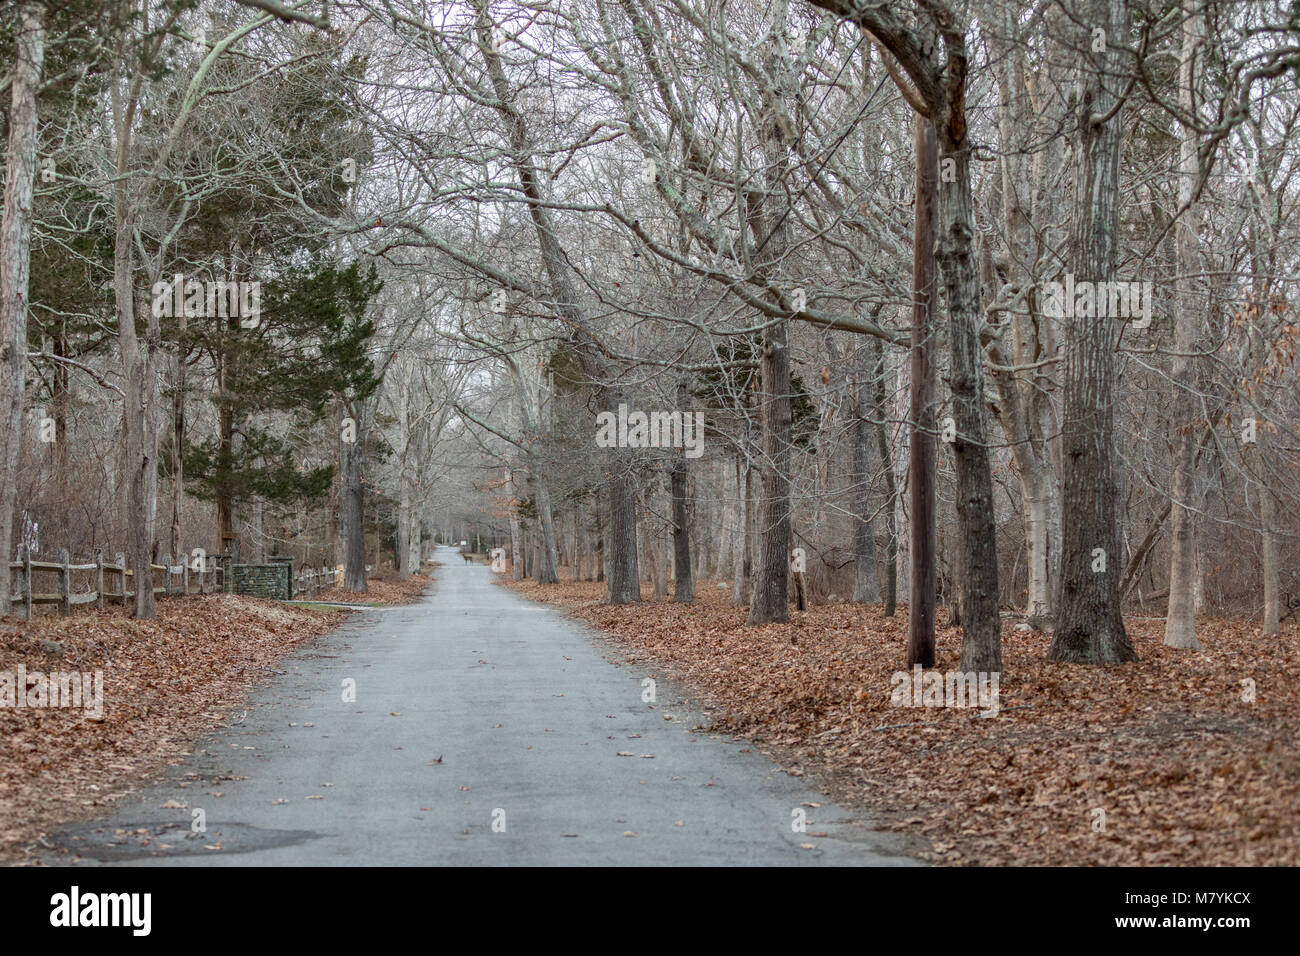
pixel 516 531
pixel 769 600
pixel 1259 470
pixel 1024 398
pixel 1180 621
pixel 599 573
pixel 1038 500
pixel 577 540
pixel 977 551
pixel 404 504
pixel 650 541
pixel 352 514
pixel 866 574
pixel 15 264
pixel 547 552
pixel 683 574
pixel 921 460
pixel 226 441
pixel 743 556
pixel 1268 546
pixel 885 453
pixel 953 594
pixel 623 583
pixel 1089 627
pixel 178 445
pixel 336 501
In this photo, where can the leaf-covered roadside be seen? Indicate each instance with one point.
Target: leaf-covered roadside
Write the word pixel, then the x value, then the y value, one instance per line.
pixel 1185 771
pixel 382 591
pixel 165 682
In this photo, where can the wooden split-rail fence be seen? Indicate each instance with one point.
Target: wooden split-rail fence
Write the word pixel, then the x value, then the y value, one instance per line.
pixel 207 575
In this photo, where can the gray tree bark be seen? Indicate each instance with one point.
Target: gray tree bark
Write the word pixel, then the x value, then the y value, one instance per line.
pixel 1089 627
pixel 866 573
pixel 1180 621
pixel 885 454
pixel 15 263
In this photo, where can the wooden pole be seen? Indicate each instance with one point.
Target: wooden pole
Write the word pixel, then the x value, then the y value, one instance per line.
pixel 27 583
pixel 65 584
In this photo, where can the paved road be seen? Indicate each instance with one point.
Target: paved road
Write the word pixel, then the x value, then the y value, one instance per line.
pixel 529 721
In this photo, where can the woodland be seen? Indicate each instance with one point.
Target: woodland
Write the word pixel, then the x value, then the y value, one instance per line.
pixel 987 309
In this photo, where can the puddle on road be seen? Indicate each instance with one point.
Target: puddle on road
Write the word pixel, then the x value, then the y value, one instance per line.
pixel 138 841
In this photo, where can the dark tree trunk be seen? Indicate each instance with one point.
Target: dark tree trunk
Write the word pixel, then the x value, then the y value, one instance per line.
pixel 769 600
pixel 921 463
pixel 226 439
pixel 976 593
pixel 601 497
pixel 178 447
pixel 577 541
pixel 684 578
pixel 623 584
pixel 352 511
pixel 937 88
pixel 1089 628
pixel 891 484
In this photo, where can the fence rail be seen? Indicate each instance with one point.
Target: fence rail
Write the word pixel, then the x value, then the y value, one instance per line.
pixel 206 575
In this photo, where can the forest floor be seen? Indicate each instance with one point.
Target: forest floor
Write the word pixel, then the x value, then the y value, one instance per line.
pixel 1166 761
pixel 165 683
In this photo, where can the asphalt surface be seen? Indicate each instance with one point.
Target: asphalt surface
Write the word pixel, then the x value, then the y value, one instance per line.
pixel 485 730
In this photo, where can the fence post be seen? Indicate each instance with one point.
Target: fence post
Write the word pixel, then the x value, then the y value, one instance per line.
pixel 167 575
pixel 121 567
pixel 99 578
pixel 65 584
pixel 26 558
